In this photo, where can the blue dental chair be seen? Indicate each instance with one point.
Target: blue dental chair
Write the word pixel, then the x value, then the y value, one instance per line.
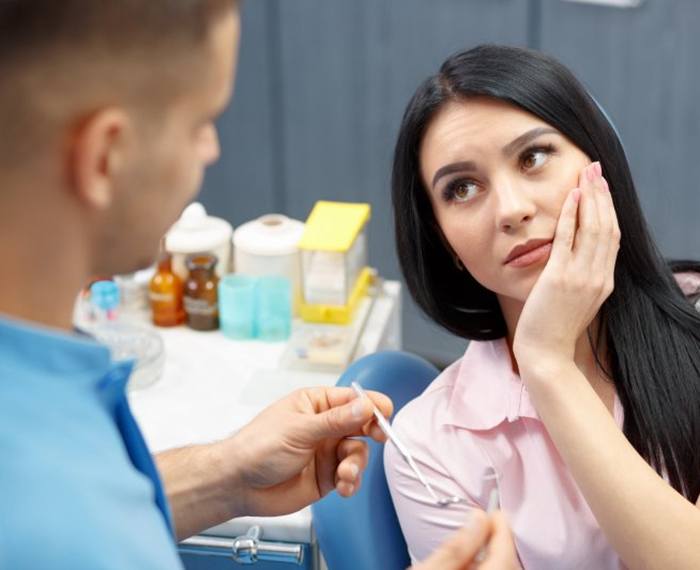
pixel 363 533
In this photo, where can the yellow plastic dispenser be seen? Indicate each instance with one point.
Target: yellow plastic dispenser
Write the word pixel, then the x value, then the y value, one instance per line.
pixel 335 275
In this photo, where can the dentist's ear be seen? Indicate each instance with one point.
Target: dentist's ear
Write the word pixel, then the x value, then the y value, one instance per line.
pixel 97 154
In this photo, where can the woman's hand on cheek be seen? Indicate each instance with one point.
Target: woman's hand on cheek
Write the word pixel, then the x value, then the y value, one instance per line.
pixel 577 279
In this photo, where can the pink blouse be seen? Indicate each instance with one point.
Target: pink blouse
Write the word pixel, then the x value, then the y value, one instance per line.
pixel 474 420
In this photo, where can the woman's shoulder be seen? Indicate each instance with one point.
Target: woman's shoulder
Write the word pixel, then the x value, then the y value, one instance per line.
pixel 434 398
pixel 431 427
pixel 483 371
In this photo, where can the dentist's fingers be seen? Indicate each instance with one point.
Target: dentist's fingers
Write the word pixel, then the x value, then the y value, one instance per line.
pixel 459 550
pixel 501 554
pixel 326 466
pixel 352 456
pixel 340 413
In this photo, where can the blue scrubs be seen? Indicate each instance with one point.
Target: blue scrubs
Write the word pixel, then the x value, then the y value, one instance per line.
pixel 78 486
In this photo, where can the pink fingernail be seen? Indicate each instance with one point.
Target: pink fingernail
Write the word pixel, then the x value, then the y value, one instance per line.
pixel 590 173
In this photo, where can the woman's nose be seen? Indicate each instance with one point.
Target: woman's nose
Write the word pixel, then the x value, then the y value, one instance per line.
pixel 514 205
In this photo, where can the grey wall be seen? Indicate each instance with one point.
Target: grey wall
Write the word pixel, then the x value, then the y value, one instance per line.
pixel 643 67
pixel 322 85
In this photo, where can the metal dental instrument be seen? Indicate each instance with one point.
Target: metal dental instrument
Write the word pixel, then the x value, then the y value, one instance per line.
pixel 385 426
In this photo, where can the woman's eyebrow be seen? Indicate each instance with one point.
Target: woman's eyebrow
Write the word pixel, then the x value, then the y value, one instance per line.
pixel 509 150
pixel 512 147
pixel 467 166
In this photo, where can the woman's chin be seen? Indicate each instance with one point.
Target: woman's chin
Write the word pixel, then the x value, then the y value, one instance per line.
pixel 519 291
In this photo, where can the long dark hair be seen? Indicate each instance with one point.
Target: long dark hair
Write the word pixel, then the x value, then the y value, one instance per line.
pixel 651 331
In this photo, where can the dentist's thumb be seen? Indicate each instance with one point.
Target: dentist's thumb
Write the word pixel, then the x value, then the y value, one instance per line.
pixel 341 421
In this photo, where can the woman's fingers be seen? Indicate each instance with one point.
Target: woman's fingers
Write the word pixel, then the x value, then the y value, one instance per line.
pixel 596 240
pixel 566 229
pixel 587 240
pixel 598 263
pixel 598 269
pixel 614 246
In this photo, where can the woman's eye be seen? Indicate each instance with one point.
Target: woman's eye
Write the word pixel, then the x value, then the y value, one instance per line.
pixel 461 191
pixel 535 158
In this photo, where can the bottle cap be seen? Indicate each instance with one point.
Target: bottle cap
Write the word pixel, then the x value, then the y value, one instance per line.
pixel 105 295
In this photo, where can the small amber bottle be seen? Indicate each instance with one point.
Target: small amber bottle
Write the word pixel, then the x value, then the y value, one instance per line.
pixel 201 292
pixel 166 294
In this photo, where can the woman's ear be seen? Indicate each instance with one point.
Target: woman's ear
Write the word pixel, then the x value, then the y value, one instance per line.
pixel 97 156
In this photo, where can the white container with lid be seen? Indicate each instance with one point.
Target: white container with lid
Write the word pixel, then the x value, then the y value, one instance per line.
pixel 268 246
pixel 197 232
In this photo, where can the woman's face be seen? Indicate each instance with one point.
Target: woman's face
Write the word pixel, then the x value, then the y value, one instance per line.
pixel 497 178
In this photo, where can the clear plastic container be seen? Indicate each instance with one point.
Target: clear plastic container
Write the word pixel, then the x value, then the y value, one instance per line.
pixel 128 342
pixel 335 275
pixel 237 306
pixel 274 308
pixel 319 347
pixel 329 277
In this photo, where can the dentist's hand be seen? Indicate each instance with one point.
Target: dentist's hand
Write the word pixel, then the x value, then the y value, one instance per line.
pixel 296 451
pixel 461 550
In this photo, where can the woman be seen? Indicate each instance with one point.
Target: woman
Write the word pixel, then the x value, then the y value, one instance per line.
pixel 578 399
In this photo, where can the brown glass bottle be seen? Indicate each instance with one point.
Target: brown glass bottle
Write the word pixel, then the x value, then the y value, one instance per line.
pixel 201 292
pixel 165 293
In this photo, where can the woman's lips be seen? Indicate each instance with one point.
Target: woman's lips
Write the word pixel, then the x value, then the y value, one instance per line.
pixel 531 257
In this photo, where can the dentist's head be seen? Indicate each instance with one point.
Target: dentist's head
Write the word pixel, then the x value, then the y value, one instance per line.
pixel 107 111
